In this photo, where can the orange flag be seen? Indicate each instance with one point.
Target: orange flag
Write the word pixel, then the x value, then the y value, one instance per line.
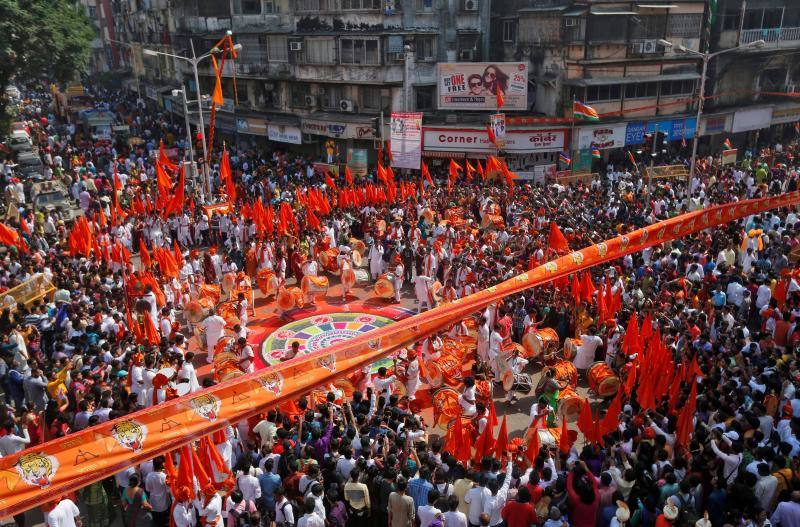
pixel 531 440
pixel 176 202
pixel 587 287
pixel 685 423
pixel 484 444
pixel 216 97
pixel 492 137
pixel 611 419
pixel 150 333
pixel 492 414
pixel 144 255
pixel 426 174
pixel 564 444
pixel 348 176
pixel 480 169
pixel 226 175
pixel 501 443
pixel 556 240
pixel 470 170
pixel 586 421
pixel 630 382
pixel 8 235
pixel 501 101
pixel 163 160
pixel 177 253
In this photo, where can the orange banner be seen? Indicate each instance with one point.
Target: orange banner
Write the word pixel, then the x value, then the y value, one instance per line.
pixel 40 474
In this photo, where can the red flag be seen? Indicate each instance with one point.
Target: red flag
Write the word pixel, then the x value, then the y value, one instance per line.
pixel 389 151
pixel 501 101
pixel 23 224
pixel 587 286
pixel 576 288
pixel 470 170
pixel 556 240
pixel 176 203
pixel 329 181
pixel 144 255
pixel 611 419
pixel 8 235
pixel 163 180
pixel 150 333
pixel 348 176
pixel 454 169
pixel 501 443
pixel 426 174
pixel 492 414
pixel 492 137
pixel 480 169
pixel 484 445
pixel 312 220
pixel 163 160
pixel 564 444
pixel 586 421
pixel 685 423
pixel 630 382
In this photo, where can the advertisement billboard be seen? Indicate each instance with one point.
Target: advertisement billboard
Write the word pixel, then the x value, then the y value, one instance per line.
pixel 474 85
pixel 602 137
pixel 406 140
pixel 357 161
pixel 477 140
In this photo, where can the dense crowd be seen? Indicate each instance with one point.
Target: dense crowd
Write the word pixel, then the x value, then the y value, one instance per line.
pixel 724 299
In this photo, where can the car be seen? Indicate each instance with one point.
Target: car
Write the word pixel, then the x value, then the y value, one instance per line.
pixel 21 126
pixel 19 141
pixel 29 165
pixel 53 196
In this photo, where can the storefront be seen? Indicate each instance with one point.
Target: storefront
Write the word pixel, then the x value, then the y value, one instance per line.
pixel 332 138
pixel 527 151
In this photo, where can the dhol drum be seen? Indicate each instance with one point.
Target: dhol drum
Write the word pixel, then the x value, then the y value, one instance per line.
pixel 328 260
pixel 483 389
pixel 384 286
pixel 571 348
pixel 569 404
pixel 565 371
pixel 223 347
pixel 536 342
pixel 445 405
pixel 267 282
pixel 362 276
pixel 348 277
pixel 602 380
pixel 314 285
pixel 451 369
pixel 194 311
pixel 551 437
pixel 227 310
pixel 433 374
pixel 357 259
pixel 290 298
pixel 358 245
pixel 228 282
pixel 520 382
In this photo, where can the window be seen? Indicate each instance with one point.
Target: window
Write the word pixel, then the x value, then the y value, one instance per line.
pixel 425 6
pixel 730 19
pixel 468 47
pixel 769 18
pixel 307 5
pixel 509 30
pixel 648 27
pixel 684 26
pixel 424 96
pixel 607 28
pixel 299 94
pixel 425 48
pixel 92 12
pixel 641 90
pixel 603 93
pixel 361 4
pixel 671 88
pixel 213 8
pixel 360 51
pixel 278 48
pixel 331 95
pixel 246 7
pixel 320 51
pixel 371 98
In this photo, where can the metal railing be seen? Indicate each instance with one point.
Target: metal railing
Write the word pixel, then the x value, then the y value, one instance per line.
pixel 780 34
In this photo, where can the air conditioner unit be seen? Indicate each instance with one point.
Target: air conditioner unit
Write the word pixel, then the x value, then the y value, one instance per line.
pixel 636 47
pixel 467 55
pixel 310 101
pixel 571 21
pixel 649 46
pixel 346 105
pixel 470 5
pixel 295 46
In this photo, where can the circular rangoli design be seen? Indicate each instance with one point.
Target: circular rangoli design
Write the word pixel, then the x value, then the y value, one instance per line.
pixel 319 332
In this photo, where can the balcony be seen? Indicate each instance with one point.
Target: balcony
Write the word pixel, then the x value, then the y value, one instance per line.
pixel 782 37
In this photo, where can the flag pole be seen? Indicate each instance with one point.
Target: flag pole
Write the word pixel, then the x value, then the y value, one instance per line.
pixel 572 137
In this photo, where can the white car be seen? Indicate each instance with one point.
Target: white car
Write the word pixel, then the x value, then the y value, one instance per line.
pixel 20 141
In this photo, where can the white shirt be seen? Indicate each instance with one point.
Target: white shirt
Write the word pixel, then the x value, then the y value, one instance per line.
pixel 211 512
pixel 474 498
pixel 310 520
pixel 156 486
pixel 214 326
pixel 427 513
pixel 284 512
pixel 183 515
pixel 62 515
pixel 249 486
pixel 12 443
pixel 455 519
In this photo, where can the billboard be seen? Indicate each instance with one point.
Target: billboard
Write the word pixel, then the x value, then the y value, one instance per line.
pixel 477 140
pixel 474 85
pixel 357 161
pixel 601 137
pixel 406 140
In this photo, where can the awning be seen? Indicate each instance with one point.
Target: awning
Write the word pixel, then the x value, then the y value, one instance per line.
pixel 282 119
pixel 603 81
pixel 541 9
pixel 576 12
pixel 443 155
pixel 611 11
pixel 656 6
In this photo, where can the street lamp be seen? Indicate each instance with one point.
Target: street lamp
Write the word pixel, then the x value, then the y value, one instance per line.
pixel 182 94
pixel 194 61
pixel 408 60
pixel 706 57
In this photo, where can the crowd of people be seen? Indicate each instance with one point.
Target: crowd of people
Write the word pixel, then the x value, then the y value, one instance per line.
pixel 725 299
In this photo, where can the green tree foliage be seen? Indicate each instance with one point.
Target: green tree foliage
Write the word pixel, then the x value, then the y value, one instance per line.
pixel 42 39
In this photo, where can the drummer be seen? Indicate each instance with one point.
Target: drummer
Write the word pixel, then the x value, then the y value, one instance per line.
pixel 549 388
pixel 584 357
pixel 245 355
pixel 411 363
pixel 467 398
pixel 310 268
pixel 423 288
pixel 515 365
pixel 344 262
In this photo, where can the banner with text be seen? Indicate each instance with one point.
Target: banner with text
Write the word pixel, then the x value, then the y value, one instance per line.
pixel 406 139
pixel 474 85
pixel 601 137
pixel 477 140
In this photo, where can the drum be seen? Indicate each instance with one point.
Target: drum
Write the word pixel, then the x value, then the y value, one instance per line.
pixel 520 382
pixel 209 295
pixel 551 437
pixel 314 285
pixel 569 404
pixel 328 260
pixel 436 289
pixel 536 342
pixel 602 380
pixel 222 347
pixel 362 276
pixel 434 377
pixel 227 310
pixel 492 221
pixel 565 371
pixel 267 282
pixel 290 298
pixel 358 260
pixel 445 405
pixel 358 245
pixel 182 389
pixel 571 348
pixel 483 390
pixel 228 281
pixel 451 369
pixel 194 311
pixel 454 349
pixel 348 278
pixel 384 286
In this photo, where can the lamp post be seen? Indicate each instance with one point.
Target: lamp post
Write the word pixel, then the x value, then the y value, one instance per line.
pixel 194 61
pixel 408 60
pixel 706 58
pixel 190 149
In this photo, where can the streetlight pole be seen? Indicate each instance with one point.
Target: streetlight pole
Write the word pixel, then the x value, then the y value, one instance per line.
pixel 190 147
pixel 194 60
pixel 706 58
pixel 408 59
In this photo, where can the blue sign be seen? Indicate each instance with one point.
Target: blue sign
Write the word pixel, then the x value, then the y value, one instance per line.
pixel 675 130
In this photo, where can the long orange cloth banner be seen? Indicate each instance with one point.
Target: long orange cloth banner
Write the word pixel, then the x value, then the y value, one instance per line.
pixel 45 472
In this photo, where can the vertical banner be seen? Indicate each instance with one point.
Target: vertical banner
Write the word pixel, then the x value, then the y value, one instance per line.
pixel 498 121
pixel 357 161
pixel 406 139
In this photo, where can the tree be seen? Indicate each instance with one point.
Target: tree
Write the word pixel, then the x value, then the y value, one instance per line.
pixel 42 38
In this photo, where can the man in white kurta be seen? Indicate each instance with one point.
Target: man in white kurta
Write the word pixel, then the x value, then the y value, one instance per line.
pixel 214 326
